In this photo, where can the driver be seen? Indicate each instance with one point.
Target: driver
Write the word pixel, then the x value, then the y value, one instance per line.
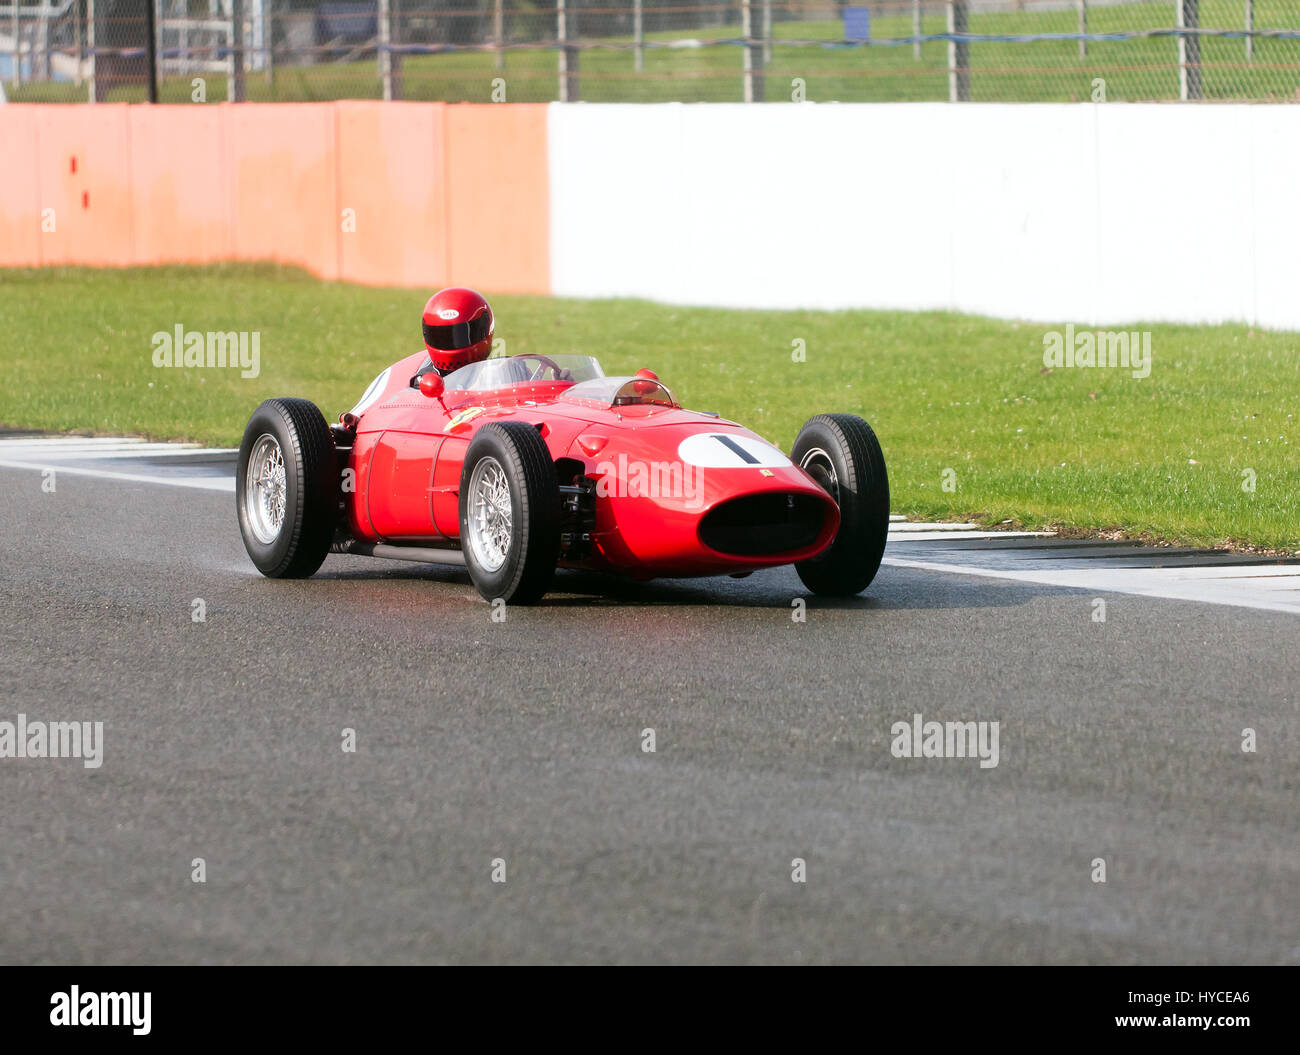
pixel 458 327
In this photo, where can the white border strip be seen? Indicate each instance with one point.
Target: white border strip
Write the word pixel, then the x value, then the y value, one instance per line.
pixel 201 483
pixel 1206 585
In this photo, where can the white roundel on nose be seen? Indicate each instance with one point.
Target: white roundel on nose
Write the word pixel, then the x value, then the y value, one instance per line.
pixel 722 450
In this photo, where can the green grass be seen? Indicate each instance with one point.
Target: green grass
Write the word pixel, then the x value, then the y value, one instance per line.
pixel 1001 71
pixel 1090 449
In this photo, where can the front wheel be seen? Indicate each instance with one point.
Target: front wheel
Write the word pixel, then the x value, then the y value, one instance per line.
pixel 509 513
pixel 842 454
pixel 285 488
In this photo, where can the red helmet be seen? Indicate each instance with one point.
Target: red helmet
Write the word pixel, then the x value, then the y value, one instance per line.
pixel 458 328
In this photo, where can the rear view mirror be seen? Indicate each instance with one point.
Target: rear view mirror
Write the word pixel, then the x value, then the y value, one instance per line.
pixel 431 385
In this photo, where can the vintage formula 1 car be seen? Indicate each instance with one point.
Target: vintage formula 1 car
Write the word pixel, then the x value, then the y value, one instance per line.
pixel 514 466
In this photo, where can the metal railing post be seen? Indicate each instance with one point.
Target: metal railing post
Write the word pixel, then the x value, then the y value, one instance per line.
pixel 90 42
pixel 385 28
pixel 499 32
pixel 17 57
pixel 151 47
pixel 237 92
pixel 958 53
pixel 638 35
pixel 268 39
pixel 752 60
pixel 565 32
pixel 396 60
pixel 1189 50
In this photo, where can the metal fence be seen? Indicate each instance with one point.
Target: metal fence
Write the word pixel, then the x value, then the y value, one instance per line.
pixel 650 50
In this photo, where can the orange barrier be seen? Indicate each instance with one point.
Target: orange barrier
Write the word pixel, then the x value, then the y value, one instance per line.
pixel 499 240
pixel 180 197
pixel 407 194
pixel 65 179
pixel 284 161
pixel 392 214
pixel 85 179
pixel 20 188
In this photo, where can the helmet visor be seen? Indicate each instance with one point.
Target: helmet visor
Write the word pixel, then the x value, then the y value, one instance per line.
pixel 450 337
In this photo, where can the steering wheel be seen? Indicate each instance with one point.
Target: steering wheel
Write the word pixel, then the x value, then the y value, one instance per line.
pixel 560 373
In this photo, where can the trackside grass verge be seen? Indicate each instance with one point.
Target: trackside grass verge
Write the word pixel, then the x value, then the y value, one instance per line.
pixel 972 422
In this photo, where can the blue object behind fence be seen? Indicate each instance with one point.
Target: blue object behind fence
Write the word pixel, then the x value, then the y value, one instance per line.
pixel 857 23
pixel 354 22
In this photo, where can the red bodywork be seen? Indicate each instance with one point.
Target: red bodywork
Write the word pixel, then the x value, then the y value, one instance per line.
pixel 652 498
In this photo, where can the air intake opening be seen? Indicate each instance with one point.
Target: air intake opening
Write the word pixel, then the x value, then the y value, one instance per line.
pixel 763 524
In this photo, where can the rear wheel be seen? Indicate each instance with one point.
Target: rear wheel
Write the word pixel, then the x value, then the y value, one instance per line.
pixel 841 452
pixel 286 488
pixel 509 513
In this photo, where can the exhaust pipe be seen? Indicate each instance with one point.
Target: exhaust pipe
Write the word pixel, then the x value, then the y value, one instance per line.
pixel 419 554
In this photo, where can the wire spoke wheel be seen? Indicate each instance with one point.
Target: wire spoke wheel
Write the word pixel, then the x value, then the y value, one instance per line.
pixel 818 464
pixel 265 489
pixel 491 521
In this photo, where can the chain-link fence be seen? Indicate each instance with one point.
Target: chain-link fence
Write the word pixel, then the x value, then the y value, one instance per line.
pixel 651 50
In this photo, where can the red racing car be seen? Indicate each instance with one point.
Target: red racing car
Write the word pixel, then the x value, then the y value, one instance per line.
pixel 514 466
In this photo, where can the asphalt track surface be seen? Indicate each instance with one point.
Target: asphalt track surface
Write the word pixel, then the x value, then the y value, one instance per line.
pixel 522 741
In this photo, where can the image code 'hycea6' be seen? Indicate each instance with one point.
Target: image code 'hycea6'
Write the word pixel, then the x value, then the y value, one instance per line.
pixel 514 466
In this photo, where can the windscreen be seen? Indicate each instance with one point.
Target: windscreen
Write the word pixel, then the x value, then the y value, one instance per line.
pixel 623 392
pixel 527 369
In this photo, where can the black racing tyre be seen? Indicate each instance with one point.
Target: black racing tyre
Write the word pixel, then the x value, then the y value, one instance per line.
pixel 510 513
pixel 286 488
pixel 843 455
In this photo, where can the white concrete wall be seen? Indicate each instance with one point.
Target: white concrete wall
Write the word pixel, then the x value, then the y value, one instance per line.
pixel 1092 213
